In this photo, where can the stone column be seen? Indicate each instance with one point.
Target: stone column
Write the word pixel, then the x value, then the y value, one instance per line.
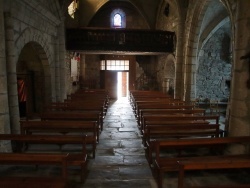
pixel 53 85
pixel 179 62
pixel 57 68
pixel 82 68
pixel 189 84
pixel 62 61
pixel 11 74
pixel 239 122
pixel 4 107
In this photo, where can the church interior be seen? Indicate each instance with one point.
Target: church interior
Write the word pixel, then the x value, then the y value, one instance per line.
pixel 124 93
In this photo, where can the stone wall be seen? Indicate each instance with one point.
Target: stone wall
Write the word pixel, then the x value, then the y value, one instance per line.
pixel 21 23
pixel 214 67
pixel 166 73
pixel 133 19
pixel 92 69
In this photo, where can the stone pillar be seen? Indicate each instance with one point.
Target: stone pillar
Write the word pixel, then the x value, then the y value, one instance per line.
pixel 239 122
pixel 57 69
pixel 179 62
pixel 53 85
pixel 189 84
pixel 62 62
pixel 11 74
pixel 82 68
pixel 4 107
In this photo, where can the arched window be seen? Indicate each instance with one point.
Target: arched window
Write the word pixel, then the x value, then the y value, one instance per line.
pixel 118 19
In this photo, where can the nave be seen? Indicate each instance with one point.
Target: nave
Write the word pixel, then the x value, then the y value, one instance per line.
pixel 120 160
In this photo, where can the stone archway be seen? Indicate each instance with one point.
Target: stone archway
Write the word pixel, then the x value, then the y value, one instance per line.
pixel 43 52
pixel 203 27
pixel 31 80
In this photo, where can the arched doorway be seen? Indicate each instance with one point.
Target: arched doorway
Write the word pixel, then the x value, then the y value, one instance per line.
pixel 31 80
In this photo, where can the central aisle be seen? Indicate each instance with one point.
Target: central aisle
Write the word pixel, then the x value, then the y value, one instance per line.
pixel 120 158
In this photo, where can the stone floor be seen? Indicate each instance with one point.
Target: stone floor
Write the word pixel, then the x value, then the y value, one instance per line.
pixel 120 161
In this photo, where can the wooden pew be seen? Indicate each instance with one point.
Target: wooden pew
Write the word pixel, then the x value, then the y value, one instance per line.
pixel 89 106
pixel 212 162
pixel 164 163
pixel 33 182
pixel 82 128
pixel 221 186
pixel 176 117
pixel 145 95
pixel 74 116
pixel 77 105
pixel 55 159
pixel 183 130
pixel 20 142
pixel 90 96
pixel 155 100
pixel 161 106
pixel 144 112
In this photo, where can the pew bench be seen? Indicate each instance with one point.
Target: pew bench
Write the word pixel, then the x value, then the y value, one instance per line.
pixel 145 112
pixel 87 107
pixel 165 163
pixel 75 105
pixel 154 102
pixel 21 142
pixel 177 131
pixel 64 160
pixel 211 162
pixel 160 106
pixel 31 182
pixel 69 128
pixel 176 117
pixel 222 186
pixel 74 116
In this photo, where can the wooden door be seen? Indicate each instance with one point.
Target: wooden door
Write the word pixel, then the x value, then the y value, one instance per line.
pixel 111 83
pixel 124 84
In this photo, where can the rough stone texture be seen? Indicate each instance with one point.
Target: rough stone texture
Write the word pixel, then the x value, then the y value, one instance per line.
pixel 166 73
pixel 213 70
pixel 92 68
pixel 239 126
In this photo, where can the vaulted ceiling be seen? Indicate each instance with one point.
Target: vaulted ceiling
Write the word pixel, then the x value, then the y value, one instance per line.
pixel 89 8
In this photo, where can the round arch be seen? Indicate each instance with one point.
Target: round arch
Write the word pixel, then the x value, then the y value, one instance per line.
pixel 34 40
pixel 194 43
pixel 98 6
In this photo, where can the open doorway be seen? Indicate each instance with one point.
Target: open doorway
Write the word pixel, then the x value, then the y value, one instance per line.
pixel 122 84
pixel 32 84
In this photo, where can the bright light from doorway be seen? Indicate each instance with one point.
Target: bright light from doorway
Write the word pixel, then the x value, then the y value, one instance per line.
pixel 120 85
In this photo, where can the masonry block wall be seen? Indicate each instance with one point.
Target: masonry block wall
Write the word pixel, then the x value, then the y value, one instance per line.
pixel 214 67
pixel 30 22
